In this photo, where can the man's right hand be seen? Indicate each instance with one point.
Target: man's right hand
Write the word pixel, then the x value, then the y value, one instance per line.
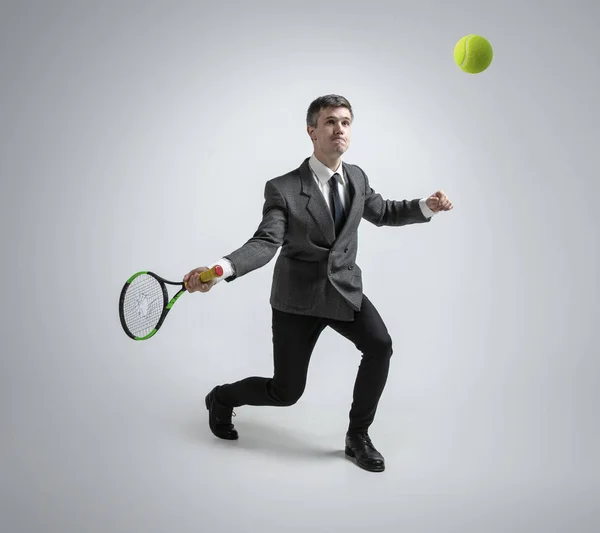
pixel 193 283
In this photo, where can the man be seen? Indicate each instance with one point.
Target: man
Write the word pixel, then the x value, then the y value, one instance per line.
pixel 313 212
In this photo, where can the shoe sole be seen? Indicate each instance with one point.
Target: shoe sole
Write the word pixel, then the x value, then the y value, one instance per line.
pixel 352 457
pixel 232 437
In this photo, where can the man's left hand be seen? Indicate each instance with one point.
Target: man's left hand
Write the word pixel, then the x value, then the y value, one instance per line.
pixel 438 201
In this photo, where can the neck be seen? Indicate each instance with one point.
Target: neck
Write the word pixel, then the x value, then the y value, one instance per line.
pixel 332 162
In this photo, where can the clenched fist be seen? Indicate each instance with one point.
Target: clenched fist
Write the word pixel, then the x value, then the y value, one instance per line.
pixel 193 283
pixel 438 201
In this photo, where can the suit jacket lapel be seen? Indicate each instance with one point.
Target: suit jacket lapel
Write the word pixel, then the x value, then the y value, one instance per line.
pixel 317 206
pixel 354 209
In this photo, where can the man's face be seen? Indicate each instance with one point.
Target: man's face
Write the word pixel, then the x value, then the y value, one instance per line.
pixel 331 137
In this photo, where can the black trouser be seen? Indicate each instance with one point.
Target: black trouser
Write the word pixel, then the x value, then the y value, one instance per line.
pixel 294 338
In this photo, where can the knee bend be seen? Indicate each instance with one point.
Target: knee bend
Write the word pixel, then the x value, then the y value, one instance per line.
pixel 383 346
pixel 284 396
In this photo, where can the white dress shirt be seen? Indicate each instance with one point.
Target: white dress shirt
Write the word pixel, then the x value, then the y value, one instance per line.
pixel 322 174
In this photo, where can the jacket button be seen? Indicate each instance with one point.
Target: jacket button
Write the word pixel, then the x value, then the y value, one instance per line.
pixel 346 250
pixel 350 267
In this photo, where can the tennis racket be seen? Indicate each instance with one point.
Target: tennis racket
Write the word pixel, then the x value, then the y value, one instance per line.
pixel 144 302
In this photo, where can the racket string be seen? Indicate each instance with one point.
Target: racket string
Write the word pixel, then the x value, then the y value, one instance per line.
pixel 143 305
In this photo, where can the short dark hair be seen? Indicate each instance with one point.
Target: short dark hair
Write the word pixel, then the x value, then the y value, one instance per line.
pixel 323 102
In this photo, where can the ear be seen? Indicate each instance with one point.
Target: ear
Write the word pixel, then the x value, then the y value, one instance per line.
pixel 311 132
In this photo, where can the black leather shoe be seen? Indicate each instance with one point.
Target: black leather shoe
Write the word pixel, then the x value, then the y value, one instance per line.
pixel 360 450
pixel 219 417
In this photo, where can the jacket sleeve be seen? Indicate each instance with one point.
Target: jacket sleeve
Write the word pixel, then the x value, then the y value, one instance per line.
pixel 267 238
pixel 382 212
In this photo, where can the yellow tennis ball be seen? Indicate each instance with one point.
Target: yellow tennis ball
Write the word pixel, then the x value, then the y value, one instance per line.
pixel 473 53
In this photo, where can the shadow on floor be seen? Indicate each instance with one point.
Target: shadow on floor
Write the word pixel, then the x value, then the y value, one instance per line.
pixel 267 438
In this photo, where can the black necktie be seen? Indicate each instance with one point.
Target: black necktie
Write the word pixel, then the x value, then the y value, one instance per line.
pixel 336 203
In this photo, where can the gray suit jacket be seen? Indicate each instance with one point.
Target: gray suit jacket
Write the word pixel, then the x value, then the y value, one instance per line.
pixel 315 273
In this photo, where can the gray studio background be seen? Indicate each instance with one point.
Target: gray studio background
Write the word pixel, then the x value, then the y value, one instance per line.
pixel 139 135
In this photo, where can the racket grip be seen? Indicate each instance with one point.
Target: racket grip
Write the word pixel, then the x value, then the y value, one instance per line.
pixel 213 273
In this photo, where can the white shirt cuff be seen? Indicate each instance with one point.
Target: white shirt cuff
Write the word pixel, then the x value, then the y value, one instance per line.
pixel 428 213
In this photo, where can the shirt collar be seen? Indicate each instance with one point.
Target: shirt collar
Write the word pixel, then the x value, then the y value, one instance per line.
pixel 323 172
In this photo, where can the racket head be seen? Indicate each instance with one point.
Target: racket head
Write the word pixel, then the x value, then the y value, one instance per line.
pixel 143 305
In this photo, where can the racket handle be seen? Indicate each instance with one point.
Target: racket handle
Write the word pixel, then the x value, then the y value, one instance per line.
pixel 213 273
